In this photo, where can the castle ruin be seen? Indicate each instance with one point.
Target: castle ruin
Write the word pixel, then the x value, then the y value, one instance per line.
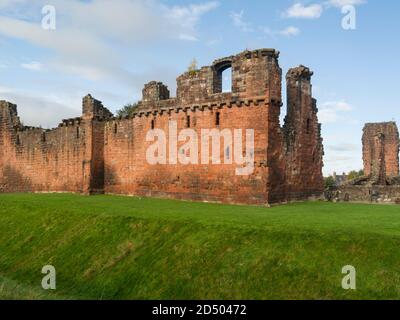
pixel 99 153
pixel 381 182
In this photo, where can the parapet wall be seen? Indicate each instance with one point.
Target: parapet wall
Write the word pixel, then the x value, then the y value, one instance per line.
pixel 128 171
pixel 61 159
pixel 98 153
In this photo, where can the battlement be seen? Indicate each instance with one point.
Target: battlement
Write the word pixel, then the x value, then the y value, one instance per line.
pixel 70 122
pixel 155 91
pixel 224 102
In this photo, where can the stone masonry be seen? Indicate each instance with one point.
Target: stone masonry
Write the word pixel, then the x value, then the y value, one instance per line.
pixel 99 153
pixel 381 182
pixel 381 150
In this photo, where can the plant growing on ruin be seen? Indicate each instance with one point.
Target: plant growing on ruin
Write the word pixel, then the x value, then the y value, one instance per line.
pixel 192 69
pixel 127 110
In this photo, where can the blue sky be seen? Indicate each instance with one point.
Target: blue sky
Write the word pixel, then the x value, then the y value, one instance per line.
pixel 111 48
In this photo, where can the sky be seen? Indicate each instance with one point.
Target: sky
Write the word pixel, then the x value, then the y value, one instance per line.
pixel 112 48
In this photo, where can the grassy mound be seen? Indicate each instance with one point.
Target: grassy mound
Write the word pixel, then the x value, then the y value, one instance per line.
pixel 108 247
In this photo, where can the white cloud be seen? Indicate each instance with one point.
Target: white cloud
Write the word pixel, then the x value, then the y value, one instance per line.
pixel 188 37
pixel 187 17
pixel 41 110
pixel 290 31
pixel 287 32
pixel 88 33
pixel 330 112
pixel 298 10
pixel 238 21
pixel 343 147
pixel 32 66
pixel 342 3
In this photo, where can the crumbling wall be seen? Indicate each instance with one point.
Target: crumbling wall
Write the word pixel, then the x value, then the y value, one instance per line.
pixel 381 182
pixel 367 193
pixel 302 137
pixel 99 153
pixel 381 150
pixel 61 159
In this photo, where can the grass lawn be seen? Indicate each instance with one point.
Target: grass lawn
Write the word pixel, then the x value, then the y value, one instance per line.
pixel 110 247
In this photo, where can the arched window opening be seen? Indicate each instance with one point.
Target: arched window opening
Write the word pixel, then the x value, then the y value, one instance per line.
pixel 115 128
pixel 152 124
pixel 77 132
pixel 226 77
pixel 223 76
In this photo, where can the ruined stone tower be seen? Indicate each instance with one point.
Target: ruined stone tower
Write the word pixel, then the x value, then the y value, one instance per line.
pixel 381 181
pixel 98 153
pixel 381 151
pixel 303 142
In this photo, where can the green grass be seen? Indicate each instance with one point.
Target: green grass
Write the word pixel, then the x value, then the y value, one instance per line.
pixel 109 247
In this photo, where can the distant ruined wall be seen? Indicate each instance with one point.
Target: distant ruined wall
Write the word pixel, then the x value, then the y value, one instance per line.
pixel 98 153
pixel 381 182
pixel 381 150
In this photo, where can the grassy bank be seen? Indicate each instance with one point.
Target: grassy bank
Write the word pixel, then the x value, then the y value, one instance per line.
pixel 108 247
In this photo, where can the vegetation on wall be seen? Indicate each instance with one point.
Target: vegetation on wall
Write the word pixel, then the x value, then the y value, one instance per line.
pixel 127 110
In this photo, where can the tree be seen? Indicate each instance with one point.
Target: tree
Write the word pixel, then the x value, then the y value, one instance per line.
pixel 127 110
pixel 355 174
pixel 329 182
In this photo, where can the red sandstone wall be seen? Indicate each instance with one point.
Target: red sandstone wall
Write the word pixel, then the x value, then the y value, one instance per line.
pixel 96 153
pixel 37 161
pixel 381 150
pixel 128 171
pixel 303 143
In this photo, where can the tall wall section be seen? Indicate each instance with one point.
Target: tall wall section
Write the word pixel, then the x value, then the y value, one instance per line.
pixel 303 146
